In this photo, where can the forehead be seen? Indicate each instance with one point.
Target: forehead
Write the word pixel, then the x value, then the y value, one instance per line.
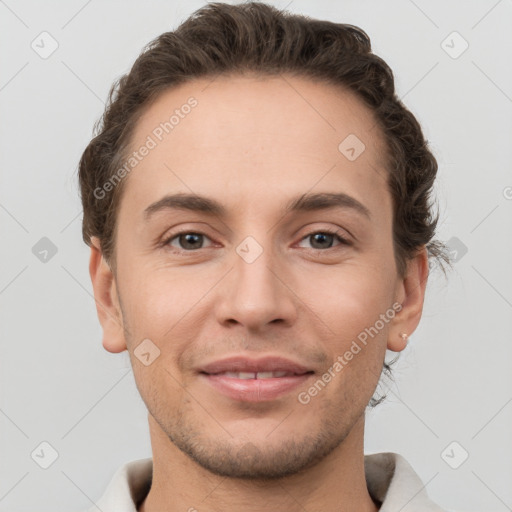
pixel 235 135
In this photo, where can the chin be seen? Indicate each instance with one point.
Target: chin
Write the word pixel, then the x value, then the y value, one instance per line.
pixel 260 457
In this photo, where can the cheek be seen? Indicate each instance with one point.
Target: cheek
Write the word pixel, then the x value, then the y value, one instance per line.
pixel 351 299
pixel 158 311
pixel 169 309
pixel 351 307
pixel 159 299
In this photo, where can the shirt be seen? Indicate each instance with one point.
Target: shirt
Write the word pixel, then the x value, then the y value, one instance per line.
pixel 390 479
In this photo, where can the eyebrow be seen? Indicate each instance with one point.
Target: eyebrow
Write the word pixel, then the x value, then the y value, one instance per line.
pixel 305 203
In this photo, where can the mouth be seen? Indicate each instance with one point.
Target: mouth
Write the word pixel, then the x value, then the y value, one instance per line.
pixel 254 380
pixel 256 375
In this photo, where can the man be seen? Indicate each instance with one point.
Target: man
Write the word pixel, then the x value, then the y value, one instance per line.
pixel 257 206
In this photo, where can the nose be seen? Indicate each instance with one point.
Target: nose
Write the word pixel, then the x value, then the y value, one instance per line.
pixel 256 293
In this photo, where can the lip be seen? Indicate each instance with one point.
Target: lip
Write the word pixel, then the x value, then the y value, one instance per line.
pixel 247 364
pixel 254 390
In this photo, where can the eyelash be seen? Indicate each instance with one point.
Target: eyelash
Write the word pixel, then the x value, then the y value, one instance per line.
pixel 327 231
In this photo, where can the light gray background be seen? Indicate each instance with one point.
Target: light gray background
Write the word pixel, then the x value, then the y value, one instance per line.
pixel 453 382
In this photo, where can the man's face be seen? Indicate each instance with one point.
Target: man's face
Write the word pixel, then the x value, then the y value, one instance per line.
pixel 256 281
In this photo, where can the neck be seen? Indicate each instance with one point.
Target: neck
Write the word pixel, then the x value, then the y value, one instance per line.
pixel 180 484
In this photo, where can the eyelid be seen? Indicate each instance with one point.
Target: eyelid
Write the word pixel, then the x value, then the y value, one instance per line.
pixel 328 231
pixel 166 241
pixel 343 240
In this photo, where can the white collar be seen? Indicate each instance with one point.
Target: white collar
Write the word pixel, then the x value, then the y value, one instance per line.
pixel 390 479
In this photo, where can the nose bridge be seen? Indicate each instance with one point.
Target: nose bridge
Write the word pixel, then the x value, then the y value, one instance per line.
pixel 254 293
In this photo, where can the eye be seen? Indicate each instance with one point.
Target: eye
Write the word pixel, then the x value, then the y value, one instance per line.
pixel 324 239
pixel 186 240
pixel 192 240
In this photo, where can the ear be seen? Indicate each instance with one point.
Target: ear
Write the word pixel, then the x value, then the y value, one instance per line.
pixel 107 301
pixel 411 294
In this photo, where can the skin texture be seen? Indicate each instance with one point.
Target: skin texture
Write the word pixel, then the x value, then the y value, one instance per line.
pixel 253 144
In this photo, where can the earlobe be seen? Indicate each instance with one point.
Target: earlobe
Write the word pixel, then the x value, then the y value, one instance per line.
pixel 398 344
pixel 411 295
pixel 106 298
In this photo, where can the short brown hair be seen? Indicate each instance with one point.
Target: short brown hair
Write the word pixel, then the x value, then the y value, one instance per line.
pixel 256 37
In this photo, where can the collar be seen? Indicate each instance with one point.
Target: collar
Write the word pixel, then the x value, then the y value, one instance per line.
pixel 391 481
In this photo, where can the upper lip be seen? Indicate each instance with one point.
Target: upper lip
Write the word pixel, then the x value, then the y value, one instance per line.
pixel 247 364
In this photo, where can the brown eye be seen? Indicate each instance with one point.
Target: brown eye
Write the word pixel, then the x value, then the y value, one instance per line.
pixel 187 241
pixel 322 240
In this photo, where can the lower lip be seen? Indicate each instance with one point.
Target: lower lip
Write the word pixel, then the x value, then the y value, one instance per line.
pixel 255 390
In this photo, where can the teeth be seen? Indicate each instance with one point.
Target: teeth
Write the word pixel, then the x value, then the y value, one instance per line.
pixel 270 375
pixel 254 375
pixel 245 375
